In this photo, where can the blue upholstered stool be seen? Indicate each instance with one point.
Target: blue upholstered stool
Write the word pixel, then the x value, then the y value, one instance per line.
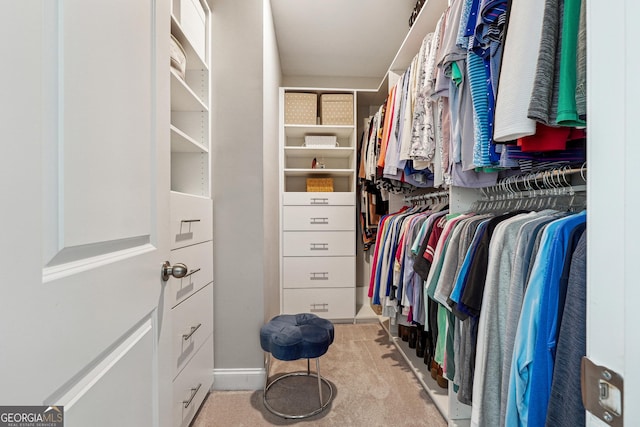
pixel 296 336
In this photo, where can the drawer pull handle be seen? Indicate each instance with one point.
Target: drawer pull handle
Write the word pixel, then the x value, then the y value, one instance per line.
pixel 319 201
pixel 186 234
pixel 316 308
pixel 319 221
pixel 319 276
pixel 192 272
pixel 319 246
pixel 194 391
pixel 193 330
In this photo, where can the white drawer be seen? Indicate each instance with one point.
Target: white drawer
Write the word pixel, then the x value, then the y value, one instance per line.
pixel 191 220
pixel 330 303
pixel 319 199
pixel 192 325
pixel 199 261
pixel 319 272
pixel 319 243
pixel 192 385
pixel 319 218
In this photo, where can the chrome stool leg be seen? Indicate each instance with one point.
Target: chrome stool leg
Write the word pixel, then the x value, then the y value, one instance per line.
pixel 266 379
pixel 267 386
pixel 319 379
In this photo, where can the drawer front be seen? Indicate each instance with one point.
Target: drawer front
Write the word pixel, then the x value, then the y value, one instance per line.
pixel 192 385
pixel 191 220
pixel 319 272
pixel 319 199
pixel 319 243
pixel 199 262
pixel 319 218
pixel 329 303
pixel 192 325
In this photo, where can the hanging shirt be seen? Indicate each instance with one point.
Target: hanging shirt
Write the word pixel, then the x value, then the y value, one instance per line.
pixel 471 299
pixel 423 132
pixel 478 74
pixel 523 257
pixel 538 308
pixel 543 105
pixel 565 406
pixel 463 275
pixel 405 136
pixel 550 316
pixel 452 260
pixel 433 228
pixel 485 410
pixel 518 71
pixel 581 60
pixel 567 108
pixel 410 279
pixel 386 127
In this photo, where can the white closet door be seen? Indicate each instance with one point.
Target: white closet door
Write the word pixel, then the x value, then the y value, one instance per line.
pixel 84 213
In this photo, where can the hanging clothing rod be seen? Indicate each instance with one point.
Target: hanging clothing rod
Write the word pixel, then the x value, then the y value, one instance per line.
pixel 565 198
pixel 510 194
pixel 536 181
pixel 426 196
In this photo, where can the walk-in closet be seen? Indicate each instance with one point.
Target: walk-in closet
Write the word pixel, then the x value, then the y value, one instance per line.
pixel 452 183
pixel 479 142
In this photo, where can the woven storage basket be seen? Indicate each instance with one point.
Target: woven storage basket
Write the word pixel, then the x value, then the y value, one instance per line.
pixel 336 108
pixel 178 56
pixel 300 108
pixel 321 185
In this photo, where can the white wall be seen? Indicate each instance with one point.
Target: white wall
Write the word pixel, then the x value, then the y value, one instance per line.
pixel 238 183
pixel 272 81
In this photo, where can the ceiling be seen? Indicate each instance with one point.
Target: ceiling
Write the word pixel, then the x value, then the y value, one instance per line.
pixel 340 39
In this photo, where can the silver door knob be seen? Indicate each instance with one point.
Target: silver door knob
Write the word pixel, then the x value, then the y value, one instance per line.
pixel 178 271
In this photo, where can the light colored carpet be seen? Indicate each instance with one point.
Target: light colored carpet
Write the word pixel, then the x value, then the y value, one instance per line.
pixel 373 386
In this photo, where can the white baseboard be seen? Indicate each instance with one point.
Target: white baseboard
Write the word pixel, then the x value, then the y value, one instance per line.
pixel 238 379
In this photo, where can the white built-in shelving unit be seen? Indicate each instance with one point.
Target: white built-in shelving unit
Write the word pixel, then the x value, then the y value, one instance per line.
pixel 317 229
pixel 190 298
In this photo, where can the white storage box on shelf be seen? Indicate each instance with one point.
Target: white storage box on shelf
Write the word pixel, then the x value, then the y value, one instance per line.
pixel 320 141
pixel 193 23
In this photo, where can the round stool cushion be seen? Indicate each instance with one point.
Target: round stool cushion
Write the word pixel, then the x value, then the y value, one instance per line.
pixel 296 336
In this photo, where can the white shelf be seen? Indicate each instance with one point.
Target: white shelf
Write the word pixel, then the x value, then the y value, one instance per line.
pixel 424 24
pixel 195 196
pixel 182 97
pixel 333 172
pixel 439 395
pixel 299 131
pixel 334 152
pixel 183 143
